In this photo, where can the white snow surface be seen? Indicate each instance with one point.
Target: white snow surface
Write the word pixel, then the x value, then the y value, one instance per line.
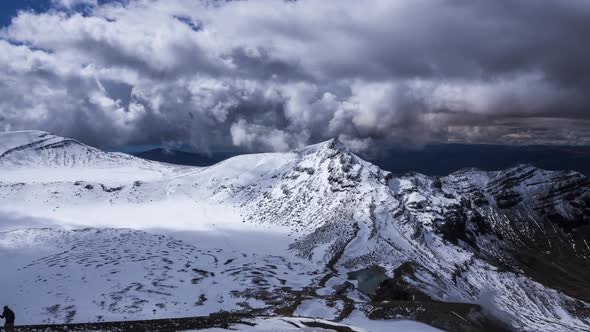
pixel 90 275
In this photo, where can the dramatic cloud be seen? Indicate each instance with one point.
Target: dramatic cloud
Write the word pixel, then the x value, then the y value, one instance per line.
pixel 273 75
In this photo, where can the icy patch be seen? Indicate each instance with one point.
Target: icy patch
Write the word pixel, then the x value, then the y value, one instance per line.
pixel 317 309
pixel 357 318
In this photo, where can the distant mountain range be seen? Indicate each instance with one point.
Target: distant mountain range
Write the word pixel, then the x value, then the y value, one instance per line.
pixel 444 159
pixel 179 157
pixel 439 159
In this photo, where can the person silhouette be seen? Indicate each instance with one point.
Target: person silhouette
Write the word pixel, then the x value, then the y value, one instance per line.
pixel 8 315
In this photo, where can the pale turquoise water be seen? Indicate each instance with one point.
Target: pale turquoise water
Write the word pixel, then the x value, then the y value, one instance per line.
pixel 369 278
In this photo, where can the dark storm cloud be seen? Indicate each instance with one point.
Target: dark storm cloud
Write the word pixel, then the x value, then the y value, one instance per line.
pixel 266 74
pixel 263 66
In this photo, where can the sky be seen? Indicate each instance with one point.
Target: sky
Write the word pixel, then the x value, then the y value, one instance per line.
pixel 273 75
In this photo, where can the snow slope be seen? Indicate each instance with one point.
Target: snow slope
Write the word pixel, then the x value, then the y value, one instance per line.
pixel 40 156
pixel 514 241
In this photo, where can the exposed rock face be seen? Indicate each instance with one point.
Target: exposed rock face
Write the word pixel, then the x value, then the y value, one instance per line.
pixel 519 232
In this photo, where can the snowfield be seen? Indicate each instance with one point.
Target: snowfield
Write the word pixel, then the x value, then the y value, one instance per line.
pixel 93 236
pixel 93 275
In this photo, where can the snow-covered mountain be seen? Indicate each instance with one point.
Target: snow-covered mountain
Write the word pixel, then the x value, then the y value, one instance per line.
pixel 311 232
pixel 36 155
pixel 38 148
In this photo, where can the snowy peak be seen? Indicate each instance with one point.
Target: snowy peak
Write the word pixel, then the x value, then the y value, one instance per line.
pixel 12 142
pixel 326 149
pixel 34 148
pixel 335 144
pixel 333 161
